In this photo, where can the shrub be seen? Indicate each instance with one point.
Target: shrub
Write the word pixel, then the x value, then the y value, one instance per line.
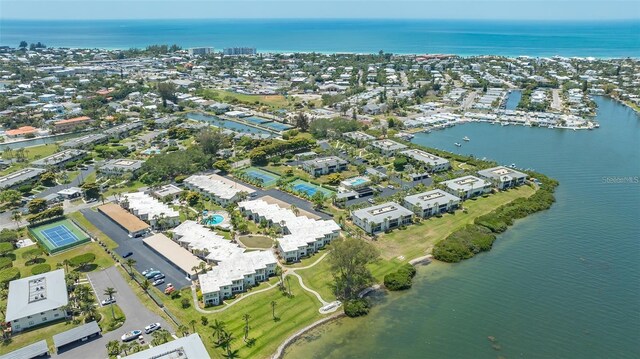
pixel 40 268
pixel 82 259
pixel 5 262
pixel 5 248
pixel 356 307
pixel 400 279
pixel 185 303
pixel 464 243
pixel 9 274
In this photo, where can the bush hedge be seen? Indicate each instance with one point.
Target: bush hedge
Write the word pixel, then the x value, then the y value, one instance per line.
pixel 400 279
pixel 82 259
pixel 9 274
pixel 472 239
pixel 356 307
pixel 40 268
pixel 5 262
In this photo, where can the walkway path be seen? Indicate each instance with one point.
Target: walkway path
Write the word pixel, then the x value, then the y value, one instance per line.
pixel 278 354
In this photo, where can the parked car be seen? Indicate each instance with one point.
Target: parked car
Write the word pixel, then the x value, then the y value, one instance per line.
pixel 152 328
pixel 370 200
pixel 108 301
pixel 390 187
pixel 157 282
pixel 159 276
pixel 144 272
pixel 169 289
pixel 152 274
pixel 128 254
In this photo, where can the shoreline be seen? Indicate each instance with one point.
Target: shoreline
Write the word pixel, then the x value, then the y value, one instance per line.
pixel 279 354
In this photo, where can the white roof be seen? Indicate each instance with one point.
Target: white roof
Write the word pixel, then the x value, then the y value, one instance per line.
pixel 36 294
pixel 303 230
pixel 190 347
pixel 145 204
pixel 217 186
pixel 200 238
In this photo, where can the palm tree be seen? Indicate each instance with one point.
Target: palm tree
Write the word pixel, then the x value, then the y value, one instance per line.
pixel 294 209
pixel 130 262
pixel 109 292
pixel 192 323
pixel 231 354
pixel 145 285
pixel 125 348
pixel 273 309
pixel 218 327
pixel 225 343
pixel 113 347
pixel 246 318
pixel 183 329
pixel 160 336
pixel 16 216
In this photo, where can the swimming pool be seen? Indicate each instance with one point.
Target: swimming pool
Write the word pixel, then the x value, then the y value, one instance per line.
pixel 213 220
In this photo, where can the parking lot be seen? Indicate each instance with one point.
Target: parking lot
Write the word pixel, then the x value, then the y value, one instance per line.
pixel 144 256
pixel 137 315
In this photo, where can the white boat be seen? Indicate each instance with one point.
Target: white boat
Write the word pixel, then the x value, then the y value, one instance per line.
pixel 513 165
pixel 551 126
pixel 466 138
pixel 457 144
pixel 505 124
pixel 128 336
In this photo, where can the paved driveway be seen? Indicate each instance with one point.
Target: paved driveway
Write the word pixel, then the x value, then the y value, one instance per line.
pixel 138 316
pixel 144 256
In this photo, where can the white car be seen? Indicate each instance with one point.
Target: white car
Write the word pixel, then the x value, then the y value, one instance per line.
pixel 152 328
pixel 157 282
pixel 108 301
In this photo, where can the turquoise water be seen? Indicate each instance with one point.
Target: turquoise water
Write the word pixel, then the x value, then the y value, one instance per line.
pixel 564 283
pixel 213 220
pixel 509 38
pixel 230 125
pixel 513 100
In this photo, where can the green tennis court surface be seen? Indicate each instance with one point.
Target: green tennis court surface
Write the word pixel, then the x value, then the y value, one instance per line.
pixel 59 235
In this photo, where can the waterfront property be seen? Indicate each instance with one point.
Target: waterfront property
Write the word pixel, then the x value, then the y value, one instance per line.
pixel 36 300
pixel 119 167
pixel 71 124
pixel 430 203
pixel 124 130
pixel 388 147
pixel 60 159
pixel 302 236
pixel 236 275
pixel 217 188
pixel 503 177
pixel 85 142
pixel 130 223
pixel 324 165
pixel 467 187
pixel 178 256
pixel 382 217
pixel 432 162
pixel 150 210
pixel 21 177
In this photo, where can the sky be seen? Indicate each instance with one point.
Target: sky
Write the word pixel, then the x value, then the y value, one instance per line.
pixel 587 10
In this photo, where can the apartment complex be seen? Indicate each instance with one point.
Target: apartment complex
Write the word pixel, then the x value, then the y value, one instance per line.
pixel 382 217
pixel 324 165
pixel 430 203
pixel 432 162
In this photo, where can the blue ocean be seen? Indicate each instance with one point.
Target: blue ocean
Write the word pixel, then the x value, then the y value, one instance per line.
pixel 508 38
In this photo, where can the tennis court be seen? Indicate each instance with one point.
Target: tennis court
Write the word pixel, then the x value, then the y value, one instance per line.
pixel 267 179
pixel 309 189
pixel 59 235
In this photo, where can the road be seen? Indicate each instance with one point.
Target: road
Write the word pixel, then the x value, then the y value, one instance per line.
pixel 468 102
pixel 144 256
pixel 556 103
pixel 138 316
pixel 74 183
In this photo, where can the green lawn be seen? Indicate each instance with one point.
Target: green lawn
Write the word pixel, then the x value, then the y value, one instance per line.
pixel 256 241
pixel 319 279
pixel 108 320
pixel 103 260
pixel 31 336
pixel 273 101
pixel 418 239
pixel 294 313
